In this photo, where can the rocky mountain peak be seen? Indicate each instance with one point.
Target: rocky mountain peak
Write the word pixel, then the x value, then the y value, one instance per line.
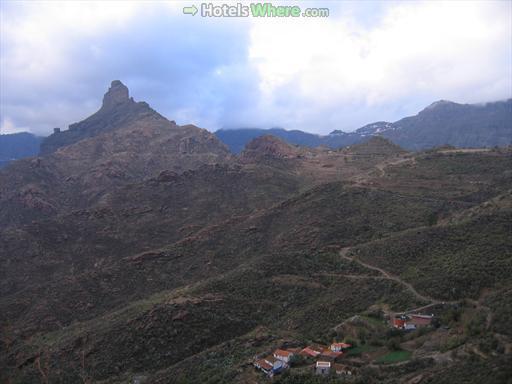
pixel 117 94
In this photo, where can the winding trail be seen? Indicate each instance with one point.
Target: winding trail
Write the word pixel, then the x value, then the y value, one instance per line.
pixel 388 276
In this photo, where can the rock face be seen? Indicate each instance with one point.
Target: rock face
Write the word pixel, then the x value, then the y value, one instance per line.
pixel 117 94
pixel 123 142
pixel 117 111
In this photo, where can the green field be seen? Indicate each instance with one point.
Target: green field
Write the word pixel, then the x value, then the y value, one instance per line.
pixel 394 357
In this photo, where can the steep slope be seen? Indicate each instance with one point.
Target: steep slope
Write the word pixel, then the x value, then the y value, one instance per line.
pixel 123 143
pixel 271 269
pixel 117 109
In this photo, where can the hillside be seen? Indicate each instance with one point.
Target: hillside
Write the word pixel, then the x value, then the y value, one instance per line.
pixel 137 249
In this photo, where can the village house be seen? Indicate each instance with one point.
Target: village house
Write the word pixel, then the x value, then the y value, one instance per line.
pixel 329 355
pixel 420 320
pixel 399 321
pixel 411 322
pixel 283 355
pixel 339 347
pixel 310 352
pixel 323 367
pixel 270 365
pixel 409 327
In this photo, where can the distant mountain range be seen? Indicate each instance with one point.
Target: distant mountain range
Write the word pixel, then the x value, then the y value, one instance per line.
pixel 18 145
pixel 441 123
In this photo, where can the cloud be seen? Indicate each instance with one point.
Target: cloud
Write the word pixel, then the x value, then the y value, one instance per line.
pixel 57 62
pixel 367 61
pixel 413 54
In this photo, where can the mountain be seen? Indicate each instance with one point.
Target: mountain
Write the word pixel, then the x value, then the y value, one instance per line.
pixel 236 139
pixel 459 125
pixel 137 250
pixel 124 142
pixel 17 146
pixel 441 123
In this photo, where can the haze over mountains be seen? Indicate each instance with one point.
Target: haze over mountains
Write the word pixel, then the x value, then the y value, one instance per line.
pixel 441 123
pixel 134 248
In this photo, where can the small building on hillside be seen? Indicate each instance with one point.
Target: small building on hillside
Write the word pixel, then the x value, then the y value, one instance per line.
pixel 399 321
pixel 283 355
pixel 270 365
pixel 420 320
pixel 310 352
pixel 412 321
pixel 323 367
pixel 339 347
pixel 329 355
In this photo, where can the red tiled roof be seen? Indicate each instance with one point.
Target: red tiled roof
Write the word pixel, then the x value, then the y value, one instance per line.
pixel 264 365
pixel 330 353
pixel 280 352
pixel 421 320
pixel 309 352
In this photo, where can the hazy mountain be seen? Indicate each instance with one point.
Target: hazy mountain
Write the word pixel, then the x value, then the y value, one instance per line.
pixel 236 139
pixel 460 125
pixel 17 146
pixel 442 123
pixel 137 249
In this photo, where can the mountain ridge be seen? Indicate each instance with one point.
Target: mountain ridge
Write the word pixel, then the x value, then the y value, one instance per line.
pixel 441 123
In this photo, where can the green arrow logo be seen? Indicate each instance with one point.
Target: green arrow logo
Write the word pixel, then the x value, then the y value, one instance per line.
pixel 190 10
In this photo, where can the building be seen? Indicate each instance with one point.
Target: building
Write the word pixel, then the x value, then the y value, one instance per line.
pixel 399 321
pixel 329 355
pixel 283 355
pixel 411 322
pixel 421 320
pixel 270 365
pixel 323 367
pixel 310 352
pixel 339 347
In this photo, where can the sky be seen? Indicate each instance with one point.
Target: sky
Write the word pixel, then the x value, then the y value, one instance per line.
pixel 368 61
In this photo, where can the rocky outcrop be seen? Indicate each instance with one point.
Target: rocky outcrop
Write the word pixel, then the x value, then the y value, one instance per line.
pixel 268 147
pixel 117 110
